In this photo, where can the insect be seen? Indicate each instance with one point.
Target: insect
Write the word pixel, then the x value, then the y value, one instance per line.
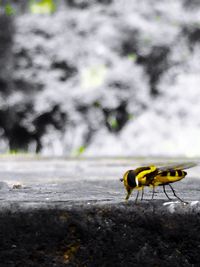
pixel 154 176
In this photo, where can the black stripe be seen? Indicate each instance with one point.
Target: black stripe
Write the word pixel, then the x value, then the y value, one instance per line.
pixel 150 176
pixel 164 173
pixel 172 173
pixel 184 173
pixel 145 168
pixel 180 173
pixel 131 179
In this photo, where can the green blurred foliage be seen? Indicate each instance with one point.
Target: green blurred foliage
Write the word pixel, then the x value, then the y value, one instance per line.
pixel 158 18
pixel 42 6
pixel 93 76
pixel 79 151
pixel 132 57
pixel 130 116
pixel 35 7
pixel 9 10
pixel 13 152
pixel 97 104
pixel 113 123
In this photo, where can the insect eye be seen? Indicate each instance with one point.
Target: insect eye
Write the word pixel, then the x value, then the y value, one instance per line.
pixel 131 179
pixel 121 179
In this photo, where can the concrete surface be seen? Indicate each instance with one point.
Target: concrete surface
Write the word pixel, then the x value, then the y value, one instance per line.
pixel 70 212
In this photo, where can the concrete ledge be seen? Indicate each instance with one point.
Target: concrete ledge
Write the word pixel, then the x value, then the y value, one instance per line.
pixel 72 213
pixel 148 234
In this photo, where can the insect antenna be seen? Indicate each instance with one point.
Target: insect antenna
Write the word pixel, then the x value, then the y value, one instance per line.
pixel 166 192
pixel 176 195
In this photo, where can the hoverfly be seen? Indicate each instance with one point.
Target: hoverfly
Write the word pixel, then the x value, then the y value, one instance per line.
pixel 154 176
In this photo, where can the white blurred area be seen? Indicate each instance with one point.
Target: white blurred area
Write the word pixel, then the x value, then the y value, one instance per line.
pixel 170 127
pixel 105 59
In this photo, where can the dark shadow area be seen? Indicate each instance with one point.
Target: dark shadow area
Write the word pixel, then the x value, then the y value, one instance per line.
pixel 107 235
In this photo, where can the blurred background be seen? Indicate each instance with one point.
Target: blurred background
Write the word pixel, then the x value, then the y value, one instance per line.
pixel 100 77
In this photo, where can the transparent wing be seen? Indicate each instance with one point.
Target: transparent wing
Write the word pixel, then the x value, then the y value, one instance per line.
pixel 179 166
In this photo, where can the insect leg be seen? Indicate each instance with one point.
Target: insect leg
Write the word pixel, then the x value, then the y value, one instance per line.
pixel 137 197
pixel 176 195
pixel 142 193
pixel 128 195
pixel 153 192
pixel 166 193
pixel 129 191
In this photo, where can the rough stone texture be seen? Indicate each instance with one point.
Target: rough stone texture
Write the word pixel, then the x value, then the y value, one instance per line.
pixel 59 212
pixel 100 235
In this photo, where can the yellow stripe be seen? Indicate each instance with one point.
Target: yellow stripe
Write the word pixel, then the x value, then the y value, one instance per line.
pixel 125 179
pixel 141 176
pixel 177 175
pixel 143 173
pixel 159 180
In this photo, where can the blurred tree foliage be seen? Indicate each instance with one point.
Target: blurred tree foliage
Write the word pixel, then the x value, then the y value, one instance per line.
pixel 6 8
pixel 35 6
pixel 42 6
pixel 9 10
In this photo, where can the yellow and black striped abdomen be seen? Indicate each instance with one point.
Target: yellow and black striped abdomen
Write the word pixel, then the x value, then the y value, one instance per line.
pixel 169 176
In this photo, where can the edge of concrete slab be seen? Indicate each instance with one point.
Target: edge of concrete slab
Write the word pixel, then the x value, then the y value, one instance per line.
pixel 151 233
